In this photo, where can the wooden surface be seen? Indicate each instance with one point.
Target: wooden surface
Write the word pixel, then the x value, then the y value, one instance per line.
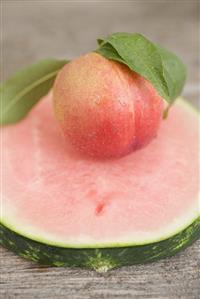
pixel 33 30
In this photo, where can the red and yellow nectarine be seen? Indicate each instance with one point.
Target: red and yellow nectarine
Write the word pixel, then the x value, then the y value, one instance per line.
pixel 105 109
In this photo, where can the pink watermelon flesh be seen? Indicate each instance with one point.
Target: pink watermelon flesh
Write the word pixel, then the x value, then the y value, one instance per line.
pixel 54 196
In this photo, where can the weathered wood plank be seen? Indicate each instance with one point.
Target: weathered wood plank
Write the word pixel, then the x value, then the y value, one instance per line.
pixel 177 277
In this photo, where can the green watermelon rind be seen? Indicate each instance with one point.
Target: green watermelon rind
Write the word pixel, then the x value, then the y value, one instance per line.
pixel 99 259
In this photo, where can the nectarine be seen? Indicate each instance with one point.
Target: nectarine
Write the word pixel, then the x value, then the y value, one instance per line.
pixel 105 109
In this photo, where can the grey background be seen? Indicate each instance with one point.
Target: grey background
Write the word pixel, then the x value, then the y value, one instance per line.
pixel 33 30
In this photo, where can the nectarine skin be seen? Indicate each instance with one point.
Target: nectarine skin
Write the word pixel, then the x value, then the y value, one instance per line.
pixel 105 109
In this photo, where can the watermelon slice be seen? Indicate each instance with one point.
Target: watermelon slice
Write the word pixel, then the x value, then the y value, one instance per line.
pixel 62 210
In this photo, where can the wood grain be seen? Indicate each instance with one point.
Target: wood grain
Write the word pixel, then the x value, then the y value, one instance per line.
pixel 177 277
pixel 33 30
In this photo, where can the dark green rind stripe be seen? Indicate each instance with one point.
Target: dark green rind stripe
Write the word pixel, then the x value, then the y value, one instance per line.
pixel 99 259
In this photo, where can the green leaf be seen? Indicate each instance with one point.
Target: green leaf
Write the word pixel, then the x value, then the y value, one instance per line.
pixel 174 72
pixel 162 68
pixel 23 90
